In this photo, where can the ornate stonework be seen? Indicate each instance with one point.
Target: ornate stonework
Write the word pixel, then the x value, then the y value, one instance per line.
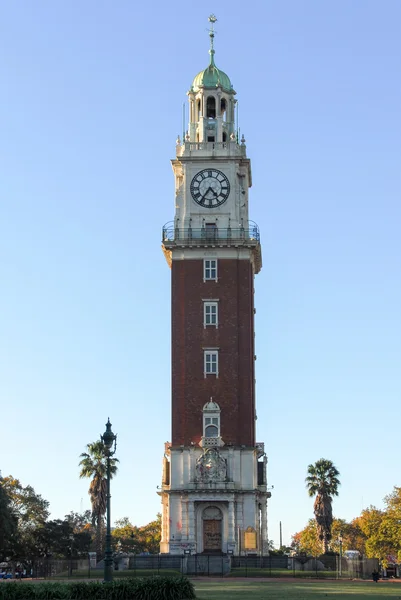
pixel 211 466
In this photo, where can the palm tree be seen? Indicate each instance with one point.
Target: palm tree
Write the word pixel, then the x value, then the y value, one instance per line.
pixel 93 465
pixel 322 481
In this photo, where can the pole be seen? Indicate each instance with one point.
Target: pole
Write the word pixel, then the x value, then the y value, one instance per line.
pixel 341 556
pixel 108 559
pixel 281 536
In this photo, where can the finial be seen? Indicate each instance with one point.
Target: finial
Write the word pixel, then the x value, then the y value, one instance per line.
pixel 212 20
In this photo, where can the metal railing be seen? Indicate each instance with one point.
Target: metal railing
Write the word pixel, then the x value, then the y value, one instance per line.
pixel 251 565
pixel 211 236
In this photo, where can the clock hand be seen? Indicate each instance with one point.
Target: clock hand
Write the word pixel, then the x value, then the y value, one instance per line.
pixel 205 194
pixel 210 189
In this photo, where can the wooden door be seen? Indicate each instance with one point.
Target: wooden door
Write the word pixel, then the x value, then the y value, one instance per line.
pixel 212 535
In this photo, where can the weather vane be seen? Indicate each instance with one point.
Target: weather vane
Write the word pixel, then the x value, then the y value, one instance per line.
pixel 212 20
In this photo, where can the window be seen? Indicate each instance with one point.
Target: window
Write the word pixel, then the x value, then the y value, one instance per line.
pixel 210 313
pixel 211 108
pixel 211 424
pixel 211 362
pixel 211 427
pixel 210 269
pixel 223 108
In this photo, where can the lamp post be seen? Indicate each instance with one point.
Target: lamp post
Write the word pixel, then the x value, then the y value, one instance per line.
pixel 108 439
pixel 340 541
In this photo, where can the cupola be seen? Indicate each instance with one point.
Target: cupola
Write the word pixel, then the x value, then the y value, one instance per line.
pixel 211 102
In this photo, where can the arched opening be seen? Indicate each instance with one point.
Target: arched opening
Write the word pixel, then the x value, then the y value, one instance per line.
pixel 211 431
pixel 211 107
pixel 198 109
pixel 211 411
pixel 224 136
pixel 223 109
pixel 212 530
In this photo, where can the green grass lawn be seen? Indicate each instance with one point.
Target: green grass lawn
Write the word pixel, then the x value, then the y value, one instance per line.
pixel 257 572
pixel 274 590
pixel 99 574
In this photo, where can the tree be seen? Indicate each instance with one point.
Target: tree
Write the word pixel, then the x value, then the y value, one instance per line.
pixel 28 506
pixel 306 541
pixel 150 535
pixel 93 465
pixel 130 538
pixel 30 511
pixel 8 523
pixel 125 537
pixel 79 521
pixel 54 539
pixel 382 528
pixel 391 525
pixel 322 481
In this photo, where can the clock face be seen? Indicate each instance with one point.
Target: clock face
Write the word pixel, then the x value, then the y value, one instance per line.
pixel 210 188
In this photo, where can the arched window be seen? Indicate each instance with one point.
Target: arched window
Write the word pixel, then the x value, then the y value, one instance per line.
pixel 223 109
pixel 211 107
pixel 224 136
pixel 211 430
pixel 211 423
pixel 198 109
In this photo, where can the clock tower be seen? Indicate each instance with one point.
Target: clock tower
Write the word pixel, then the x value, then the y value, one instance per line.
pixel 214 489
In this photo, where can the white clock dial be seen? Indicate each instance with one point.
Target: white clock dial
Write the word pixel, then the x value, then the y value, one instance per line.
pixel 210 188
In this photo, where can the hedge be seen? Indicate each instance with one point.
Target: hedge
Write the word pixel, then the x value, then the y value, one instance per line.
pixel 146 588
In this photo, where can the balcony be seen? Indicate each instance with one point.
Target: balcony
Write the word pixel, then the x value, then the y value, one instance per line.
pixel 212 237
pixel 220 149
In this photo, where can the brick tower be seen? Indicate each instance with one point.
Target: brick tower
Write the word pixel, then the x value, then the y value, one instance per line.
pixel 214 492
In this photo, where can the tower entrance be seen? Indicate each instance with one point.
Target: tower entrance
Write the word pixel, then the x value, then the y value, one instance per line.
pixel 212 521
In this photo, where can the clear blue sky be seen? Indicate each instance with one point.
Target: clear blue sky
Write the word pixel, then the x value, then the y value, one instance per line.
pixel 90 108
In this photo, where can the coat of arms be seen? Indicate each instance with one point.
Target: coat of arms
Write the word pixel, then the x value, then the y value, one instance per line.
pixel 211 466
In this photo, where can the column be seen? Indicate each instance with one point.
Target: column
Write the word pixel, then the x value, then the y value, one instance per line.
pixel 175 516
pixel 185 468
pixel 191 524
pixel 231 522
pixel 184 520
pixel 230 464
pixel 240 524
pixel 192 463
pixel 264 540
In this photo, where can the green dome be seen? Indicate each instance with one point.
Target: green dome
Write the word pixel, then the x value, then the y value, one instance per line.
pixel 212 77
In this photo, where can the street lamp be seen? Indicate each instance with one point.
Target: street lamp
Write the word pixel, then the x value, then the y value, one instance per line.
pixel 108 439
pixel 340 541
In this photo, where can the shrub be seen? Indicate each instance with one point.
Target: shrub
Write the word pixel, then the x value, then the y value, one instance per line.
pixel 146 588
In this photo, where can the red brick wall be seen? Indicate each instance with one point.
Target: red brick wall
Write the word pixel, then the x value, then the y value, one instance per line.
pixel 233 390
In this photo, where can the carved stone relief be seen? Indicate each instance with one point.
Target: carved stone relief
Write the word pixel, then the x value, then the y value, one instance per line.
pixel 211 466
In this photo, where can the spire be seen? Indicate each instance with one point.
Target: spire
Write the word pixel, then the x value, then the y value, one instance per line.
pixel 212 20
